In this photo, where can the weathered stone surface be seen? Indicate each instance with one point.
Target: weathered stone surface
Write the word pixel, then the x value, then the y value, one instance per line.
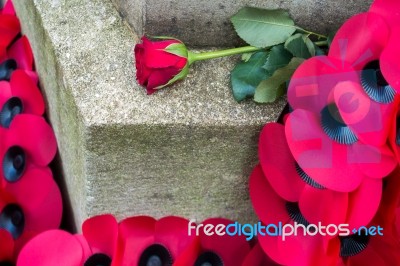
pixel 206 23
pixel 187 150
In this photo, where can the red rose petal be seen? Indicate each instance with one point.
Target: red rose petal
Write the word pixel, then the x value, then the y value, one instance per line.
pixel 54 247
pixel 320 157
pixel 360 40
pixel 278 163
pixel 161 77
pixel 101 232
pixel 156 57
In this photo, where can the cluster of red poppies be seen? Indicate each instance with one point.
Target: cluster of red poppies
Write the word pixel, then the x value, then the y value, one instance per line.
pixel 141 241
pixel 334 159
pixel 30 201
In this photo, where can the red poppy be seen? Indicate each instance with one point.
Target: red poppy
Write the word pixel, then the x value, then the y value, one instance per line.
pixel 28 140
pixel 31 206
pixel 6 248
pixel 18 96
pixel 216 249
pixel 257 257
pixel 329 152
pixel 8 8
pixel 144 240
pixel 295 249
pixel 9 29
pixel 96 245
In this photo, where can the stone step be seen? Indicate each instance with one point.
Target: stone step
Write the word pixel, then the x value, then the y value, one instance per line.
pixel 187 150
pixel 206 23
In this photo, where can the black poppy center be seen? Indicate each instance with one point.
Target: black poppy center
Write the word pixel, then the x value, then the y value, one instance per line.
pixel 375 84
pixel 6 69
pixel 294 213
pixel 209 258
pixel 98 259
pixel 12 219
pixel 333 125
pixel 14 163
pixel 10 109
pixel 306 178
pixel 155 255
pixel 352 245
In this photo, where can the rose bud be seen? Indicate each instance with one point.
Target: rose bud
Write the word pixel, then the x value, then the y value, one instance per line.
pixel 160 63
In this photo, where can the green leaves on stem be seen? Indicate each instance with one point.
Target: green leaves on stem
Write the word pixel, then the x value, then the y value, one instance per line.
pixel 265 74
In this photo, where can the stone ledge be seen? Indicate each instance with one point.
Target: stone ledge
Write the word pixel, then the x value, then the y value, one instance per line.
pixel 206 23
pixel 187 150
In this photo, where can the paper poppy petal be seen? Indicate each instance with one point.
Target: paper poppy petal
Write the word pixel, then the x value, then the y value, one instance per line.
pixel 135 235
pixel 388 9
pixel 40 198
pixel 360 40
pixel 257 257
pixel 316 205
pixel 389 61
pixel 270 246
pixel 35 136
pixel 86 249
pixel 313 81
pixel 306 250
pixel 24 88
pixel 231 249
pixel 9 29
pixel 364 203
pixel 269 207
pixel 172 232
pixel 101 232
pixel 374 162
pixel 368 119
pixel 54 247
pixel 320 157
pixel 21 52
pixel 278 163
pixel 8 8
pixel 6 246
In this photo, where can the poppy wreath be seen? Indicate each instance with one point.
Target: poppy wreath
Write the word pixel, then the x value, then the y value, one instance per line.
pixel 30 200
pixel 334 157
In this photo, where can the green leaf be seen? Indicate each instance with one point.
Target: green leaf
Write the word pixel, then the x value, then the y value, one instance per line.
pixel 319 51
pixel 272 88
pixel 262 27
pixel 278 57
pixel 178 49
pixel 331 35
pixel 300 46
pixel 247 75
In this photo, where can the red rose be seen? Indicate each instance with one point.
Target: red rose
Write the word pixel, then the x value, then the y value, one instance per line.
pixel 160 63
